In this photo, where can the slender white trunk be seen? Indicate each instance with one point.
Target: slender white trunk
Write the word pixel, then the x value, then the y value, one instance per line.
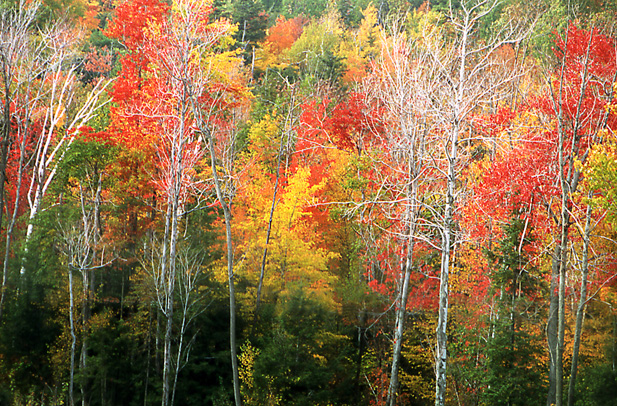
pixel 73 336
pixel 442 322
pixel 448 227
pixel 271 218
pixel 230 271
pixel 580 313
pixel 11 224
pixel 401 312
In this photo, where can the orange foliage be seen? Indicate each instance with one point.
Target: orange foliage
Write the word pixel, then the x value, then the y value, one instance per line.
pixel 284 33
pixel 89 21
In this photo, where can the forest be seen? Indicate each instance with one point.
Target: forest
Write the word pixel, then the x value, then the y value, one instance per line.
pixel 315 202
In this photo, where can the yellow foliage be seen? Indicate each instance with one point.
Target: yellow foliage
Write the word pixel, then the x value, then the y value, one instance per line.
pixel 362 46
pixel 265 57
pixel 418 355
pixel 248 355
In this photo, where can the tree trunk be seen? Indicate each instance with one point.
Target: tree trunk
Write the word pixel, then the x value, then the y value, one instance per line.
pixel 178 356
pixel 83 359
pixel 230 272
pixel 73 337
pixel 4 143
pixel 169 279
pixel 148 355
pixel 580 313
pixel 269 229
pixel 401 312
pixel 448 237
pixel 551 326
pixel 11 224
pixel 442 322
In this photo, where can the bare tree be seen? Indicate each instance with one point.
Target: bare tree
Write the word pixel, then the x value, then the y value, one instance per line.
pixel 224 187
pixel 39 84
pixel 400 156
pixel 455 73
pixel 188 301
pixel 192 95
pixel 192 304
pixel 576 81
pixel 80 244
pixel 463 75
pixel 580 311
pixel 20 64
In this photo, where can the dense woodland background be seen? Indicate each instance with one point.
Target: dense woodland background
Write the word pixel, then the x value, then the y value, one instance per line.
pixel 282 202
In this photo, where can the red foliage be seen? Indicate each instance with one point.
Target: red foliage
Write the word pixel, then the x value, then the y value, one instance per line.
pixel 132 17
pixel 582 82
pixel 525 178
pixel 522 179
pixel 354 123
pixel 350 125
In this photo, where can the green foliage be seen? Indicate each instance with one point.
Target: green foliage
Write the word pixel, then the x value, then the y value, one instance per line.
pixel 316 51
pixel 351 11
pixel 302 358
pixel 29 328
pixel 514 376
pixel 513 371
pixel 116 365
pixel 84 161
pixel 330 346
pixel 309 8
pixel 554 20
pixel 207 378
pixel 597 386
pixel 251 20
pixel 512 271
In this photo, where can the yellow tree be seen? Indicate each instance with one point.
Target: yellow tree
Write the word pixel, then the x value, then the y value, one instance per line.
pixel 275 221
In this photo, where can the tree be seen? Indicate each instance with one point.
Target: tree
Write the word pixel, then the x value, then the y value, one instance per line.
pixel 316 50
pixel 20 65
pixel 467 76
pixel 78 244
pixel 82 242
pixel 513 376
pixel 66 114
pixel 452 74
pixel 576 102
pixel 538 169
pixel 281 37
pixel 186 84
pixel 402 150
pixel 44 107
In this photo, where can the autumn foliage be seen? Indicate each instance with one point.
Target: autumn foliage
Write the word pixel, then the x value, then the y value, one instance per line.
pixel 301 183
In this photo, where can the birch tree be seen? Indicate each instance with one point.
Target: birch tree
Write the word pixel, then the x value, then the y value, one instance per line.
pixel 20 64
pixel 401 169
pixel 66 112
pixel 580 88
pixel 192 90
pixel 461 74
pixel 80 243
pixel 222 149
pixel 40 103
